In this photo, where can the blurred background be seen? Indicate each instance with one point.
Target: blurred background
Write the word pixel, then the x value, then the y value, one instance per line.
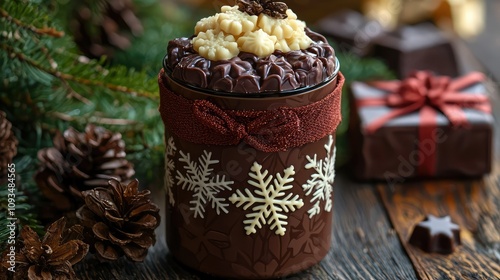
pixel 96 61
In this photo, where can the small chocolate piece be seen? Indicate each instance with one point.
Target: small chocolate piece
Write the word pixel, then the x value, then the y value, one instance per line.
pixel 351 31
pixel 251 7
pixel 275 9
pixel 418 47
pixel 268 7
pixel 436 235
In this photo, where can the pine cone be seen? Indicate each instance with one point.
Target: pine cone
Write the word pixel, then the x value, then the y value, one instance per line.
pixel 8 146
pixel 79 162
pixel 98 34
pixel 50 258
pixel 119 220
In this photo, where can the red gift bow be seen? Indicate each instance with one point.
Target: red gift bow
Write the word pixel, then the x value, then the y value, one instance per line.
pixel 203 122
pixel 428 94
pixel 264 131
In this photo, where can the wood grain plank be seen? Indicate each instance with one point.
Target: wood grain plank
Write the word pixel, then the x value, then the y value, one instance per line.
pixel 474 205
pixel 365 245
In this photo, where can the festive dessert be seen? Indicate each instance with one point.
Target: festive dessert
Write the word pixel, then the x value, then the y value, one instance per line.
pixel 436 235
pixel 242 50
pixel 250 104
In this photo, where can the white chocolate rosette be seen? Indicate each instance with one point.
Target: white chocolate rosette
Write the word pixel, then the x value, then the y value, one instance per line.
pixel 215 44
pixel 257 27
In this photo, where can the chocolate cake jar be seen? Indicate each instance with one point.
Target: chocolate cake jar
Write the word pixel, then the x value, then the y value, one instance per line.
pixel 250 103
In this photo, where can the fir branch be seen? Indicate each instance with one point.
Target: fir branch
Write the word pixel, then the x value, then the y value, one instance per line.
pixel 23 213
pixel 96 120
pixel 49 31
pixel 47 86
pixel 74 94
pixel 64 76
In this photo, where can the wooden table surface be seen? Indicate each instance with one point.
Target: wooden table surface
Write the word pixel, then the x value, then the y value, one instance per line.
pixel 372 221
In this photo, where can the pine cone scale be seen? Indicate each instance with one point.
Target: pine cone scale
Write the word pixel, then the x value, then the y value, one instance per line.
pixel 135 235
pixel 54 235
pixel 117 190
pixel 53 157
pixel 114 164
pixel 143 209
pixel 32 274
pixel 75 193
pixel 120 241
pixel 96 198
pixel 75 151
pixel 31 237
pixel 144 242
pixel 114 217
pixel 147 221
pixel 79 174
pixel 106 252
pixel 64 252
pixel 101 231
pixel 53 182
pixel 134 252
pixel 83 248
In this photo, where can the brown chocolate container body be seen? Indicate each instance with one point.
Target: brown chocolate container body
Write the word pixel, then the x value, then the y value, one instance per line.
pixel 217 239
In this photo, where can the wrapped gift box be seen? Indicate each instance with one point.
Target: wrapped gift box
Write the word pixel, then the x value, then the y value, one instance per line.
pixel 423 126
pixel 416 47
pixel 352 31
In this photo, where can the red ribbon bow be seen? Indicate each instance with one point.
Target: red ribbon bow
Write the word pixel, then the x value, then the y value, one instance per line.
pixel 263 130
pixel 428 94
pixel 203 122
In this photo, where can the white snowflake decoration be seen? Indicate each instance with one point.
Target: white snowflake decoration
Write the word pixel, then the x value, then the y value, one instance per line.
pixel 320 185
pixel 169 168
pixel 269 200
pixel 199 179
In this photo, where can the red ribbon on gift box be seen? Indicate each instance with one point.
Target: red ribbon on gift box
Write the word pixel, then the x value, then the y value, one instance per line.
pixel 428 94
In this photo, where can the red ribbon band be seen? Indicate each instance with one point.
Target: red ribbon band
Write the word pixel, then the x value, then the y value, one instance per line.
pixel 203 122
pixel 428 94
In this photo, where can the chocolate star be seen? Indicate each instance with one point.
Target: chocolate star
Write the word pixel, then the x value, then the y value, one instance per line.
pixel 436 235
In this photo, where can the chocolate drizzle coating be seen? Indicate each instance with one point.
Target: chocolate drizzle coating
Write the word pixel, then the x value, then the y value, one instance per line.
pixel 268 7
pixel 247 73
